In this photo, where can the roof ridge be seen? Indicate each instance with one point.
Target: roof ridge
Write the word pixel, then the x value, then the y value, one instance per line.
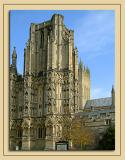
pixel 99 102
pixel 98 98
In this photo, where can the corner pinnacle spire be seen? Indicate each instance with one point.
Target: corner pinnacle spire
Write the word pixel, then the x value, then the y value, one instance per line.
pixel 80 64
pixel 14 57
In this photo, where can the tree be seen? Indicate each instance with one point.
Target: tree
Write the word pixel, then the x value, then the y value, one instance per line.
pixel 66 132
pixel 108 140
pixel 81 135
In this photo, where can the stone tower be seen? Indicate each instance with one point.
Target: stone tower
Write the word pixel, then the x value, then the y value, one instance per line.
pixel 16 101
pixel 84 85
pixel 50 85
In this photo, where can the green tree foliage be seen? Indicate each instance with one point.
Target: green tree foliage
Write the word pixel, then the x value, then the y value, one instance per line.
pixel 108 140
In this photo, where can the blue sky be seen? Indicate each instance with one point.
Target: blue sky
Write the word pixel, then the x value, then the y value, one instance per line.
pixel 94 36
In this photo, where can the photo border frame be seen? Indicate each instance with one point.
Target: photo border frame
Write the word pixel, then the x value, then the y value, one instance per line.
pixel 121 153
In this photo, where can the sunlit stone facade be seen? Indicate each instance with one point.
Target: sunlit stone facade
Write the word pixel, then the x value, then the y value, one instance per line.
pixel 51 90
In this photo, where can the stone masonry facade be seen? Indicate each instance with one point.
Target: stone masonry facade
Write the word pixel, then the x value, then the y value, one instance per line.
pixel 51 90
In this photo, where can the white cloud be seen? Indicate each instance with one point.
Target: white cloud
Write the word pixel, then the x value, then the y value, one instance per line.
pixel 95 34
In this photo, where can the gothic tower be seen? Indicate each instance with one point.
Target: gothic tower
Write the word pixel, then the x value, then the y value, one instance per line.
pixel 84 85
pixel 12 99
pixel 16 101
pixel 50 84
pixel 51 67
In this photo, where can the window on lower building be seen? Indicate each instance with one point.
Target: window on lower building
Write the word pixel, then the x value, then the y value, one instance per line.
pixel 103 115
pixel 108 121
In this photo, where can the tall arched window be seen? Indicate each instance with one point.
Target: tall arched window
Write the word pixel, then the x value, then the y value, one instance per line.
pixel 19 133
pixel 39 132
pixel 44 132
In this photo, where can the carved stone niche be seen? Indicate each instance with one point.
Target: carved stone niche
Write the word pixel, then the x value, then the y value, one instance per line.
pixel 52 37
pixel 65 36
pixel 49 94
pixel 49 130
pixel 49 109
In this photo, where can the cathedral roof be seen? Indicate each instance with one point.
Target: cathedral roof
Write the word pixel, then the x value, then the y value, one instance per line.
pixel 95 112
pixel 101 102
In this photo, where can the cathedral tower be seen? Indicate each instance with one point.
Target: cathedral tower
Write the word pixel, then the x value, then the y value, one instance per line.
pixel 84 85
pixel 51 82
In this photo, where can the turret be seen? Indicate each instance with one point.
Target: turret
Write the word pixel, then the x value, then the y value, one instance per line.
pixel 88 71
pixel 76 62
pixel 113 96
pixel 80 65
pixel 14 57
pixel 81 84
pixel 87 82
pixel 57 18
pixel 57 28
pixel 84 84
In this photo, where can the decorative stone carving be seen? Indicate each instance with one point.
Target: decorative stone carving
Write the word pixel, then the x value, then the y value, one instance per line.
pixel 48 85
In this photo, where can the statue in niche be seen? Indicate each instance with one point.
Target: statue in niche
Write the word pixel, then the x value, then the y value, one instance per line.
pixel 49 130
pixel 49 109
pixel 49 94
pixel 58 131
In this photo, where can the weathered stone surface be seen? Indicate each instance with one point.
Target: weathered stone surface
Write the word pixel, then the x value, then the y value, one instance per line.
pixel 52 89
